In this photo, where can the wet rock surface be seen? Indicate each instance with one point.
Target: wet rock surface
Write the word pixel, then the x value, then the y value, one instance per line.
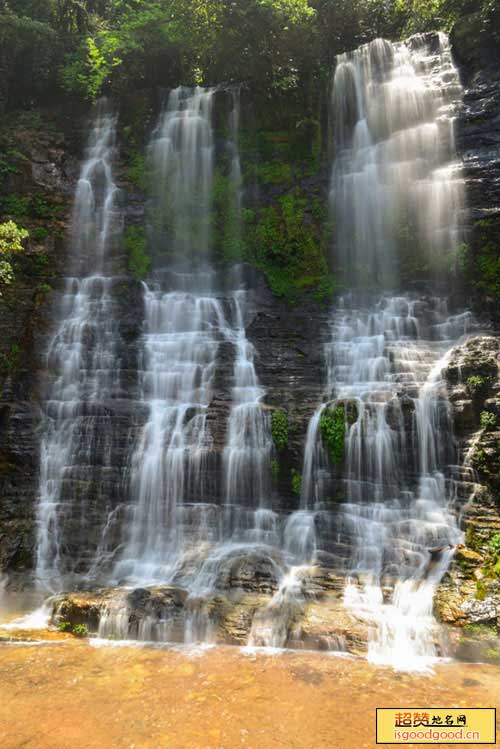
pixel 319 620
pixel 468 597
pixel 40 183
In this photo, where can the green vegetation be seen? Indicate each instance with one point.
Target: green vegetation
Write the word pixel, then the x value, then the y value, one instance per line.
pixel 493 655
pixel 488 420
pixel 480 630
pixel 12 237
pixel 494 545
pixel 64 626
pixel 43 288
pixel 275 469
pixel 481 264
pixel 332 425
pixel 39 234
pixel 139 262
pixel 325 289
pixel 296 482
pixel 286 245
pixel 488 266
pixel 280 47
pixel 476 385
pixel 80 630
pixel 227 227
pixel 279 429
pixel 29 206
pixel 472 540
pixel 10 161
pixel 481 590
pixel 137 172
pixel 275 173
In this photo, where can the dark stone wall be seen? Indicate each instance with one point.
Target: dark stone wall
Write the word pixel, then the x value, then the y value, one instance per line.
pixel 288 335
pixel 478 144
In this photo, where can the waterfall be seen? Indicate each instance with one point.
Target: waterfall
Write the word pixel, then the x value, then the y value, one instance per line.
pixel 396 525
pixel 168 466
pixel 184 326
pixel 378 492
pixel 182 162
pixel 394 174
pixel 182 531
pixel 393 529
pixel 76 453
pixel 247 455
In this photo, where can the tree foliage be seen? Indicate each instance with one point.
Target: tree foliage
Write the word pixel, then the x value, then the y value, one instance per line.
pixel 11 242
pixel 90 47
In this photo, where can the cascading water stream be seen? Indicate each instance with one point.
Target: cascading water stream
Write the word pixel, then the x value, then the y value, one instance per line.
pixel 393 530
pixel 395 176
pixel 182 336
pixel 183 328
pixel 247 455
pixel 397 519
pixel 76 454
pixel 178 533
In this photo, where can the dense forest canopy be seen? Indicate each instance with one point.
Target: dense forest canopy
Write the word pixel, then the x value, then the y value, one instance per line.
pixel 88 47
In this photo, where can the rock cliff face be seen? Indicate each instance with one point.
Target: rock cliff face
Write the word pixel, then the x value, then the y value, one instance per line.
pixel 469 595
pixel 478 143
pixel 289 341
pixel 40 183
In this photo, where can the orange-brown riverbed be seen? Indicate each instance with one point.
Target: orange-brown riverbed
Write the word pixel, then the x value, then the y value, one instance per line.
pixel 55 696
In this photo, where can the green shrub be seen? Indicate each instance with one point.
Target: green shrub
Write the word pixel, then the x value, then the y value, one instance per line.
pixel 488 419
pixel 136 172
pixel 326 289
pixel 476 385
pixel 44 288
pixel 39 234
pixel 287 245
pixel 64 626
pixel 493 654
pixel 139 262
pixel 481 590
pixel 275 173
pixel 279 429
pixel 472 539
pixel 332 428
pixel 296 481
pixel 16 205
pixel 36 206
pixel 494 545
pixel 488 269
pixel 12 237
pixel 227 220
pixel 80 630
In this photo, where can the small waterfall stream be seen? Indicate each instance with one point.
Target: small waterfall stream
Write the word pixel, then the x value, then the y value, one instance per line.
pixel 77 443
pixel 185 323
pixel 176 534
pixel 182 336
pixel 395 174
pixel 394 529
pixel 247 455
